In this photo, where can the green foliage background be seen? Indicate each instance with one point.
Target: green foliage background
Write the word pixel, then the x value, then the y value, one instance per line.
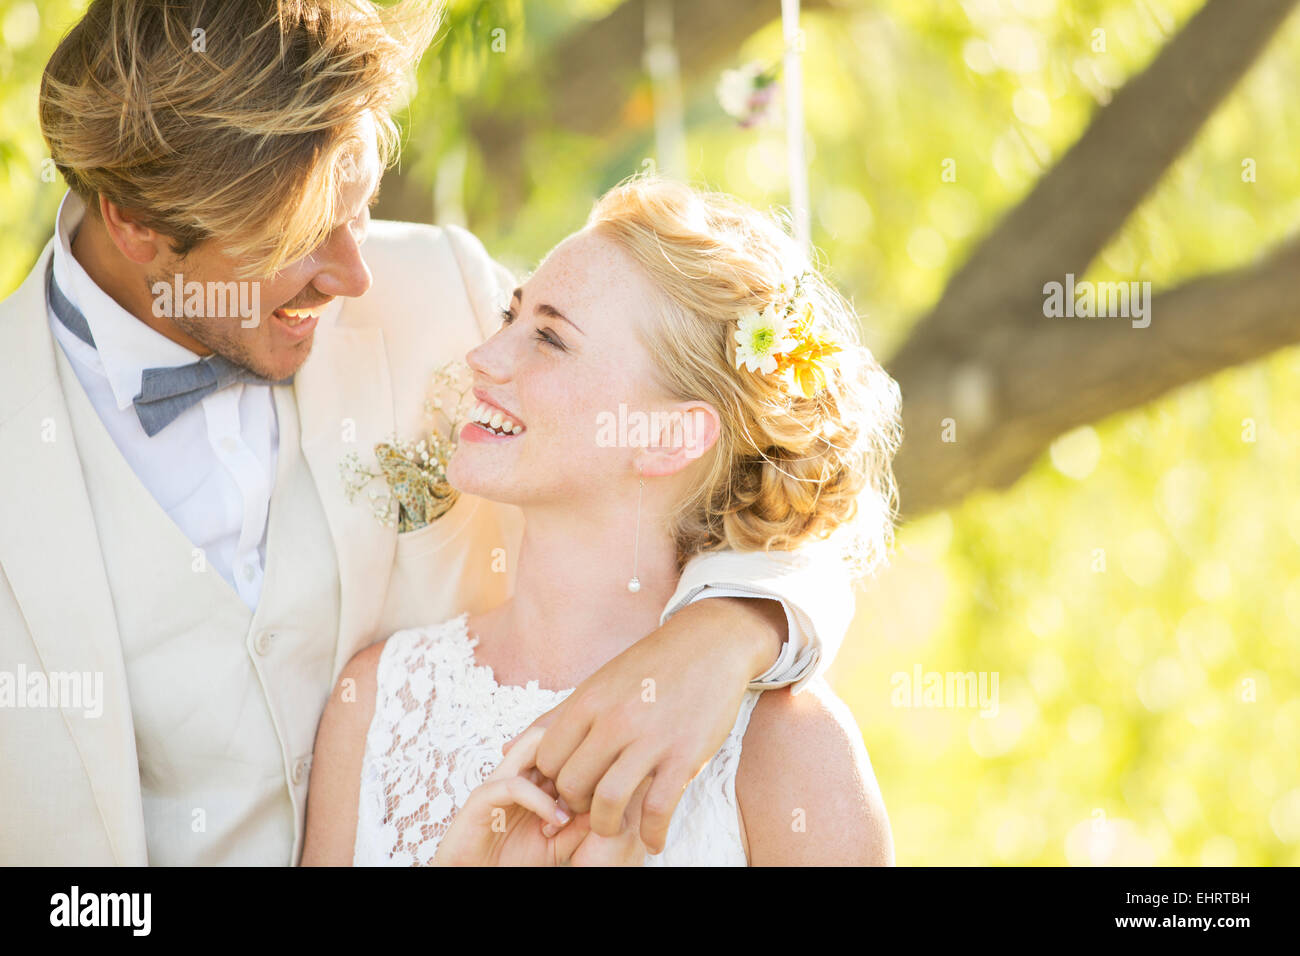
pixel 1138 593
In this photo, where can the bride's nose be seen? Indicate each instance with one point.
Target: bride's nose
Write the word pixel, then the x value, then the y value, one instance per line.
pixel 490 359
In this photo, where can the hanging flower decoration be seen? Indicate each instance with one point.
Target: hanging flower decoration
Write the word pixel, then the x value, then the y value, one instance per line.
pixel 748 93
pixel 784 340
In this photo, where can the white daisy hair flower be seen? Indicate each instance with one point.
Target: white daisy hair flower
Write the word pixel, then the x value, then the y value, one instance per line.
pixel 762 336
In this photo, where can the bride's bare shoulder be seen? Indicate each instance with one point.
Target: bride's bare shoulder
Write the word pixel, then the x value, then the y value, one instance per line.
pixel 807 792
pixel 333 790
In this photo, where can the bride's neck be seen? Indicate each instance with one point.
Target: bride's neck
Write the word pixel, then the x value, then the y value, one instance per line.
pixel 571 596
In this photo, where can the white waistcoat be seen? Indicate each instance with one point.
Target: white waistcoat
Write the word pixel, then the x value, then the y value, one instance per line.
pixel 223 737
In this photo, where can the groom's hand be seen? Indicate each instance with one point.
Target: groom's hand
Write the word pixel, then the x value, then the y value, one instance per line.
pixel 659 711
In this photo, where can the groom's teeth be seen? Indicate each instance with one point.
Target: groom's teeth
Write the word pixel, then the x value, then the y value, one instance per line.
pixel 505 425
pixel 295 317
pixel 496 419
pixel 517 429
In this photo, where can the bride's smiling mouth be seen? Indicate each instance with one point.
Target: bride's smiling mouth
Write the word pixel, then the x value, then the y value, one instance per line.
pixel 488 421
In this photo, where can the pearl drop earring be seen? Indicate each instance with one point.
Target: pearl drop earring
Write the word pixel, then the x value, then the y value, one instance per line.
pixel 634 584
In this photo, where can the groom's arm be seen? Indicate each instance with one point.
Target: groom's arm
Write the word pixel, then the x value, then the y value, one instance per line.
pixel 663 707
pixel 812 585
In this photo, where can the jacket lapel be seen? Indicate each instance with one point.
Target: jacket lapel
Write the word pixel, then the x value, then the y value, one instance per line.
pixel 345 404
pixel 50 549
pixel 51 555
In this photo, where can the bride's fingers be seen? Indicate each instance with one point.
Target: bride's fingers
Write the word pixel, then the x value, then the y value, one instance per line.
pixel 548 787
pixel 547 784
pixel 550 829
pixel 498 794
pixel 567 841
pixel 521 757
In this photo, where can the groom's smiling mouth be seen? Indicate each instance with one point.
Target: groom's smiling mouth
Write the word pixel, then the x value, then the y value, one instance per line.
pixel 494 419
pixel 298 323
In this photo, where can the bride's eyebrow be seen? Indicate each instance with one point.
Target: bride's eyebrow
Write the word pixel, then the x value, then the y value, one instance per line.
pixel 546 309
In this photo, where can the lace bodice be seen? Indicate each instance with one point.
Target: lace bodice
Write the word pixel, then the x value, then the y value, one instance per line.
pixel 440 722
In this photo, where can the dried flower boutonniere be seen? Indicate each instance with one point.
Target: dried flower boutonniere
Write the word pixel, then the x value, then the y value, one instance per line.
pixel 415 471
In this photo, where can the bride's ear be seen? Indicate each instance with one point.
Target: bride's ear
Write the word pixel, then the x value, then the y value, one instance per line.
pixel 678 438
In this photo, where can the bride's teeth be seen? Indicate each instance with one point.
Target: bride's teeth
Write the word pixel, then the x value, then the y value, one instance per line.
pixel 493 418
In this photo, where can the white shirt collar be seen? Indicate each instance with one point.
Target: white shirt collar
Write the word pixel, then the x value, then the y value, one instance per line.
pixel 125 345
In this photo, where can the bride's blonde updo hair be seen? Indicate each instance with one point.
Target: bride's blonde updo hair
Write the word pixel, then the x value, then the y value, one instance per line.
pixel 786 470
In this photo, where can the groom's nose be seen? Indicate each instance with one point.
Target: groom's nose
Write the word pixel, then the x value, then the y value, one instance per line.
pixel 343 270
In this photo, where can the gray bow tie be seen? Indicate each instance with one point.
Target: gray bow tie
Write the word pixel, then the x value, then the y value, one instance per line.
pixel 164 392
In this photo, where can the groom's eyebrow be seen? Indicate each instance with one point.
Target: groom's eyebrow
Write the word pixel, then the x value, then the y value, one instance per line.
pixel 548 310
pixel 374 198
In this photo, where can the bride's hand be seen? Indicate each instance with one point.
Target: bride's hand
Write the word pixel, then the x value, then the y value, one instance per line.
pixel 499 823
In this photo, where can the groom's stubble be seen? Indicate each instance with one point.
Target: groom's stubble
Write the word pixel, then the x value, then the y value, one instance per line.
pixel 247 180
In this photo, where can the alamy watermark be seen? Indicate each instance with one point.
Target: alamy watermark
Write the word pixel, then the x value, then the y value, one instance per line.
pixel 60 690
pixel 946 689
pixel 1089 300
pixel 128 910
pixel 216 300
pixel 637 429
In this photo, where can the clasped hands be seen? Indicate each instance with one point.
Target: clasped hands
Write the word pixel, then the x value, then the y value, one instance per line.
pixel 619 752
pixel 516 818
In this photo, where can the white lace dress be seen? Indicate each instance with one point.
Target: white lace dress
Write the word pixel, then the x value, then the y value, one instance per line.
pixel 440 722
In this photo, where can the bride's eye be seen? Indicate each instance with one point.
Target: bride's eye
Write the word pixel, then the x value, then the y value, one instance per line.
pixel 507 316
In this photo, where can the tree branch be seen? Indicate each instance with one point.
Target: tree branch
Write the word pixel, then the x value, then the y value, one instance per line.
pixel 1018 387
pixel 1011 385
pixel 1080 203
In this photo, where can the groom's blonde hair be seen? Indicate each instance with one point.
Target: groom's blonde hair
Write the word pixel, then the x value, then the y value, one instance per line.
pixel 229 119
pixel 786 470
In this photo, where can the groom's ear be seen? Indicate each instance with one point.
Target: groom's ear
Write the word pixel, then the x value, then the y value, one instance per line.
pixel 138 242
pixel 678 437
